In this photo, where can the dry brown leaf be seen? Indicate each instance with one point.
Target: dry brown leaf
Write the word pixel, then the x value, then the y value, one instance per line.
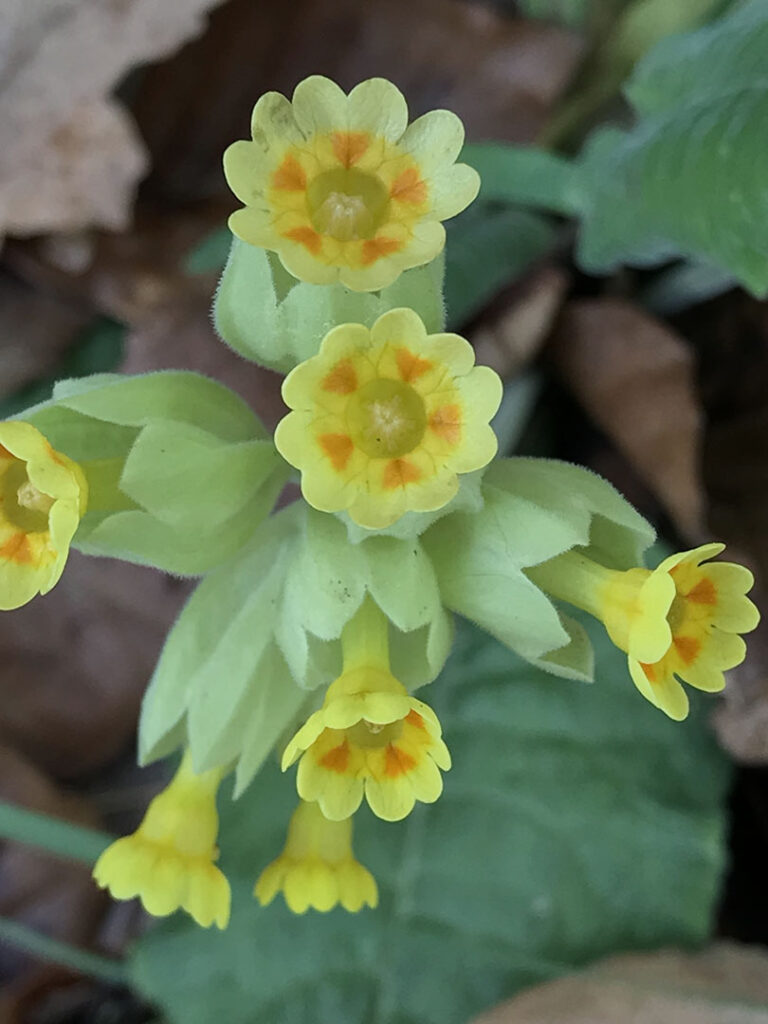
pixel 35 330
pixel 732 342
pixel 501 75
pixel 52 895
pixel 635 378
pixel 75 663
pixel 509 340
pixel 70 156
pixel 727 984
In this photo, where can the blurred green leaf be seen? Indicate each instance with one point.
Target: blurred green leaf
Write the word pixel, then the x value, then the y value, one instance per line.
pixel 525 175
pixel 98 349
pixel 577 821
pixel 210 254
pixel 489 247
pixel 688 180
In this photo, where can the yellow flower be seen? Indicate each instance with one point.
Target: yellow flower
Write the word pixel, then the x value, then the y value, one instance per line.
pixel 384 419
pixel 341 188
pixel 43 496
pixel 370 738
pixel 317 868
pixel 680 621
pixel 169 861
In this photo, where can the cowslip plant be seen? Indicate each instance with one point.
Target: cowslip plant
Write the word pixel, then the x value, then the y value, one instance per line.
pixel 313 625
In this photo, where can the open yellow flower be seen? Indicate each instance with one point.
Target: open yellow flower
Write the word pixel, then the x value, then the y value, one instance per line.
pixel 342 188
pixel 384 419
pixel 680 621
pixel 43 495
pixel 370 738
pixel 168 862
pixel 317 868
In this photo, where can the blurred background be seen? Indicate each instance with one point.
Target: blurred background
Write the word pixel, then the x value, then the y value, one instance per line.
pixel 579 824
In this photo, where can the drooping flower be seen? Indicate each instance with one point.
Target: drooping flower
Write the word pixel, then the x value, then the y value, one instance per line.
pixel 370 737
pixel 385 419
pixel 342 188
pixel 168 862
pixel 317 868
pixel 681 620
pixel 43 495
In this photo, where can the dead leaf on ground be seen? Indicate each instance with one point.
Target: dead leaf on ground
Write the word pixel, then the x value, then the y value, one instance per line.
pixel 501 75
pixel 69 155
pixel 76 663
pixel 36 329
pixel 732 343
pixel 635 378
pixel 54 896
pixel 510 339
pixel 727 984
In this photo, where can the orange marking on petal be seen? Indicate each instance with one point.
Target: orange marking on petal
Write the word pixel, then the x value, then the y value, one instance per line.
pixel 290 176
pixel 17 549
pixel 415 719
pixel 348 147
pixel 650 671
pixel 307 237
pixel 687 647
pixel 704 592
pixel 338 448
pixel 446 423
pixel 397 762
pixel 410 365
pixel 378 247
pixel 398 473
pixel 337 759
pixel 408 187
pixel 342 380
pixel 5 454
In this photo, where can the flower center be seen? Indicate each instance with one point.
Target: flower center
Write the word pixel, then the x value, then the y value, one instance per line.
pixel 23 505
pixel 373 734
pixel 386 418
pixel 347 204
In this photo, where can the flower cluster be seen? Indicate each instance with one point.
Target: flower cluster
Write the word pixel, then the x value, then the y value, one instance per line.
pixel 313 624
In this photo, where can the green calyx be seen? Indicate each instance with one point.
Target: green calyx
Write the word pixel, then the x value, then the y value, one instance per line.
pixel 534 509
pixel 268 316
pixel 180 471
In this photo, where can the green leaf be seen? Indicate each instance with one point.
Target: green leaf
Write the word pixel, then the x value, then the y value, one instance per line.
pixel 526 176
pixel 688 179
pixel 576 822
pixel 489 247
pixel 210 254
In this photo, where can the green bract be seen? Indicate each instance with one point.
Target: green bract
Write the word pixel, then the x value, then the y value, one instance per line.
pixel 263 630
pixel 180 471
pixel 534 509
pixel 266 315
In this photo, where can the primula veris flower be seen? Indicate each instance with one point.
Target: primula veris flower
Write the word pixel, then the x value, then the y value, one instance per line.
pixel 385 419
pixel 681 620
pixel 169 861
pixel 342 188
pixel 43 495
pixel 370 737
pixel 317 868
